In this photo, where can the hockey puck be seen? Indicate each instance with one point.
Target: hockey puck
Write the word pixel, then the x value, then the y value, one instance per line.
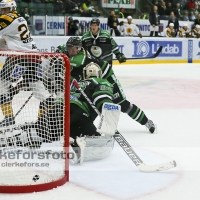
pixel 36 178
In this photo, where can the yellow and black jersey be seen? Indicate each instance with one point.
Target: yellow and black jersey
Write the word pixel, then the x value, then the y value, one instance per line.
pixel 170 32
pixel 184 33
pixel 196 33
pixel 14 30
pixel 129 29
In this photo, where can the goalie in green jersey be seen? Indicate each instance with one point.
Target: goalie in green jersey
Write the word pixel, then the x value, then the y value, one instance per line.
pixel 87 141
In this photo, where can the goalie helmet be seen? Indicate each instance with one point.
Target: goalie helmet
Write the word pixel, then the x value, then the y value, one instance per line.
pixel 95 21
pixel 74 42
pixel 92 70
pixel 8 4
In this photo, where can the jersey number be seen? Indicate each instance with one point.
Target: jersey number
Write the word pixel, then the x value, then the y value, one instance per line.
pixel 25 33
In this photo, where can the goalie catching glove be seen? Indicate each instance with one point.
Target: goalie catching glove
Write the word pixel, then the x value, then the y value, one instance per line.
pixel 121 58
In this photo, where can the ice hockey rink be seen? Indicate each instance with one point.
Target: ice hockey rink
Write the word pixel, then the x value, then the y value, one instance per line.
pixel 169 94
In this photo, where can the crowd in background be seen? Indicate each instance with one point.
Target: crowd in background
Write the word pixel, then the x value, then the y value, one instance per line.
pixel 171 10
pixel 82 8
pixel 184 10
pixel 153 10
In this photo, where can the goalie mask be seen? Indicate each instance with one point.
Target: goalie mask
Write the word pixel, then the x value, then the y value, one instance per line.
pixel 92 70
pixel 8 4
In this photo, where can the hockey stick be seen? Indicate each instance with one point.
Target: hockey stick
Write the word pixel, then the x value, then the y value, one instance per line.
pixel 126 146
pixel 23 105
pixel 154 56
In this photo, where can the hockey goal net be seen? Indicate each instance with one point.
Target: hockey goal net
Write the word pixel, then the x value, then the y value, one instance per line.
pixel 34 120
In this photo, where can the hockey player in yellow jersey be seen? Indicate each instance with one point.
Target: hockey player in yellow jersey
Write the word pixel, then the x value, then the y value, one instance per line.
pixel 15 35
pixel 129 28
pixel 170 31
pixel 14 29
pixel 196 31
pixel 184 32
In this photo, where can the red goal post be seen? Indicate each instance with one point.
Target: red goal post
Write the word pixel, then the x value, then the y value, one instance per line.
pixel 33 150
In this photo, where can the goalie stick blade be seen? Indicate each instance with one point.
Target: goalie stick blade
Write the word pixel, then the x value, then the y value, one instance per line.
pixel 155 168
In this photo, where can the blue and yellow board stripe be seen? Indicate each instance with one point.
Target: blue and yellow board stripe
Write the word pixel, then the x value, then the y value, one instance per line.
pixel 152 61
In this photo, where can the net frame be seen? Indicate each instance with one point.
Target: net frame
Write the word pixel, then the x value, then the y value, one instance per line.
pixel 66 129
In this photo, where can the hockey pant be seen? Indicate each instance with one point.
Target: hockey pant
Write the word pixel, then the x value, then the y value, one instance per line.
pixel 50 122
pixel 126 107
pixel 80 123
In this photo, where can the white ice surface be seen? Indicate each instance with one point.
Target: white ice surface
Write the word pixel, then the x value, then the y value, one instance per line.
pixel 178 138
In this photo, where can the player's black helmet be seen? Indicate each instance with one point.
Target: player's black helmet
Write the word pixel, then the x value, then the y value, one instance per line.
pixel 74 42
pixel 95 21
pixel 70 19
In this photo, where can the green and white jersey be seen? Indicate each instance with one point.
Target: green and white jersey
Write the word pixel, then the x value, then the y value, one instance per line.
pixel 83 58
pixel 101 46
pixel 75 99
pixel 98 91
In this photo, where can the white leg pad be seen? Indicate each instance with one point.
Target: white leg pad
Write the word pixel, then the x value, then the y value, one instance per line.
pixel 109 119
pixel 97 148
pixel 74 158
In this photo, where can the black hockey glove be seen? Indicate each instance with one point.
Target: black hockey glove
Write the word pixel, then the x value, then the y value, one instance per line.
pixel 140 35
pixel 121 58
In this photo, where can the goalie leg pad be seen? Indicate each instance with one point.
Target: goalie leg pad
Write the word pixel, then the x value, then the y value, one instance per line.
pixel 109 119
pixel 76 149
pixel 90 148
pixel 97 147
pixel 74 159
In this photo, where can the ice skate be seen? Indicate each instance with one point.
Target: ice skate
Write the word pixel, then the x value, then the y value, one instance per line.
pixel 151 126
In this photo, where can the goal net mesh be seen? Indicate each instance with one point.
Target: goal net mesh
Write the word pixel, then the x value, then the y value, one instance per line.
pixel 34 118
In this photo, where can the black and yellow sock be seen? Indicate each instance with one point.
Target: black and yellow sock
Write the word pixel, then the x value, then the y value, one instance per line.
pixel 7 110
